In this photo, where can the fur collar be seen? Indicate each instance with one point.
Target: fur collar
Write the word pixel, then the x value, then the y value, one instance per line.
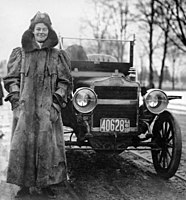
pixel 29 44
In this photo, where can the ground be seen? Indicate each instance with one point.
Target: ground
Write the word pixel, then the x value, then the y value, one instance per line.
pixel 109 177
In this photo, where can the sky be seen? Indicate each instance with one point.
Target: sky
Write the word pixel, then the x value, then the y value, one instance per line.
pixel 15 16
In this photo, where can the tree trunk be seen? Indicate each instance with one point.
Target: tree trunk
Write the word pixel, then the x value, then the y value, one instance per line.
pixel 163 59
pixel 173 74
pixel 151 77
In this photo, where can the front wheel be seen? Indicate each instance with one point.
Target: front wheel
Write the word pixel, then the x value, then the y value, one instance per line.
pixel 167 136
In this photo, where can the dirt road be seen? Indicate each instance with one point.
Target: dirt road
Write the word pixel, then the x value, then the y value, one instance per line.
pixel 100 177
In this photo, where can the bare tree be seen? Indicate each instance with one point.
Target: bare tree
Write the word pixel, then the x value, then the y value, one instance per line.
pixel 119 18
pixel 179 27
pixel 172 21
pixel 178 22
pixel 111 21
pixel 98 23
pixel 147 17
pixel 175 55
pixel 163 21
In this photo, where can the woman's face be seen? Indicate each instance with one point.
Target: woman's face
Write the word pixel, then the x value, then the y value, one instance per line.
pixel 40 32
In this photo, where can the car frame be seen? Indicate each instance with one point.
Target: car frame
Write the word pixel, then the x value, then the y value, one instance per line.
pixel 111 112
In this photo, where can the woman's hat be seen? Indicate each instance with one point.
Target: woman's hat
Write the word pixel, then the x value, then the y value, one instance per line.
pixel 40 18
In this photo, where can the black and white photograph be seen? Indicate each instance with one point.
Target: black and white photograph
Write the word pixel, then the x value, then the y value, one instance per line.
pixel 93 100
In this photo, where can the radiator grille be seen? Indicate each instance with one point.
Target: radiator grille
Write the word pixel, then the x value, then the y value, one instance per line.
pixel 113 92
pixel 129 111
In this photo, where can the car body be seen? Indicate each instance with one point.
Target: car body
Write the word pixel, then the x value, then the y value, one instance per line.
pixel 111 112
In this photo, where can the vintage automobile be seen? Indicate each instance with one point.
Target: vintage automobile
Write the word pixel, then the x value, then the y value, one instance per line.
pixel 111 112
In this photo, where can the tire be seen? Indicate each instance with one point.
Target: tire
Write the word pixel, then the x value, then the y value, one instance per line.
pixel 167 136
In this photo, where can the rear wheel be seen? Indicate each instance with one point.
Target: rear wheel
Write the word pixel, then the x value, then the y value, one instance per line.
pixel 167 136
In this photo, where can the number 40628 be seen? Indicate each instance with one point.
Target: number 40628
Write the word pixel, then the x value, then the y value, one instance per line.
pixel 114 125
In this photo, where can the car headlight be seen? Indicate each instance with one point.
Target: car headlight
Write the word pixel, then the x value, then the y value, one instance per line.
pixel 84 100
pixel 156 101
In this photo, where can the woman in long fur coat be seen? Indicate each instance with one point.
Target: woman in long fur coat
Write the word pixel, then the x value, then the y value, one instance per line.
pixel 39 84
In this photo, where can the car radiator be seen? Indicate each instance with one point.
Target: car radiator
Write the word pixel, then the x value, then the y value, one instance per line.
pixel 116 102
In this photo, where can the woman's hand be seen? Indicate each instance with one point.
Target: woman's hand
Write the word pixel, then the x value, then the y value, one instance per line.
pixel 54 114
pixel 14 99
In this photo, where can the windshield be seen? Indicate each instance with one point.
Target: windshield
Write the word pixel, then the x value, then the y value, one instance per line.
pixel 96 50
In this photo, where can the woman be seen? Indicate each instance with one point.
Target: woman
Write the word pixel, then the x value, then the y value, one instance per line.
pixel 39 84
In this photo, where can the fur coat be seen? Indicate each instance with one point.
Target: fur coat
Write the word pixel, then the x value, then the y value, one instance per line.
pixel 38 81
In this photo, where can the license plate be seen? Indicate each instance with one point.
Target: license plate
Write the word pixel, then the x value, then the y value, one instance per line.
pixel 114 125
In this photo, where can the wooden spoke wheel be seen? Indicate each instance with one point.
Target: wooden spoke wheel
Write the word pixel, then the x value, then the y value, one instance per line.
pixel 167 136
